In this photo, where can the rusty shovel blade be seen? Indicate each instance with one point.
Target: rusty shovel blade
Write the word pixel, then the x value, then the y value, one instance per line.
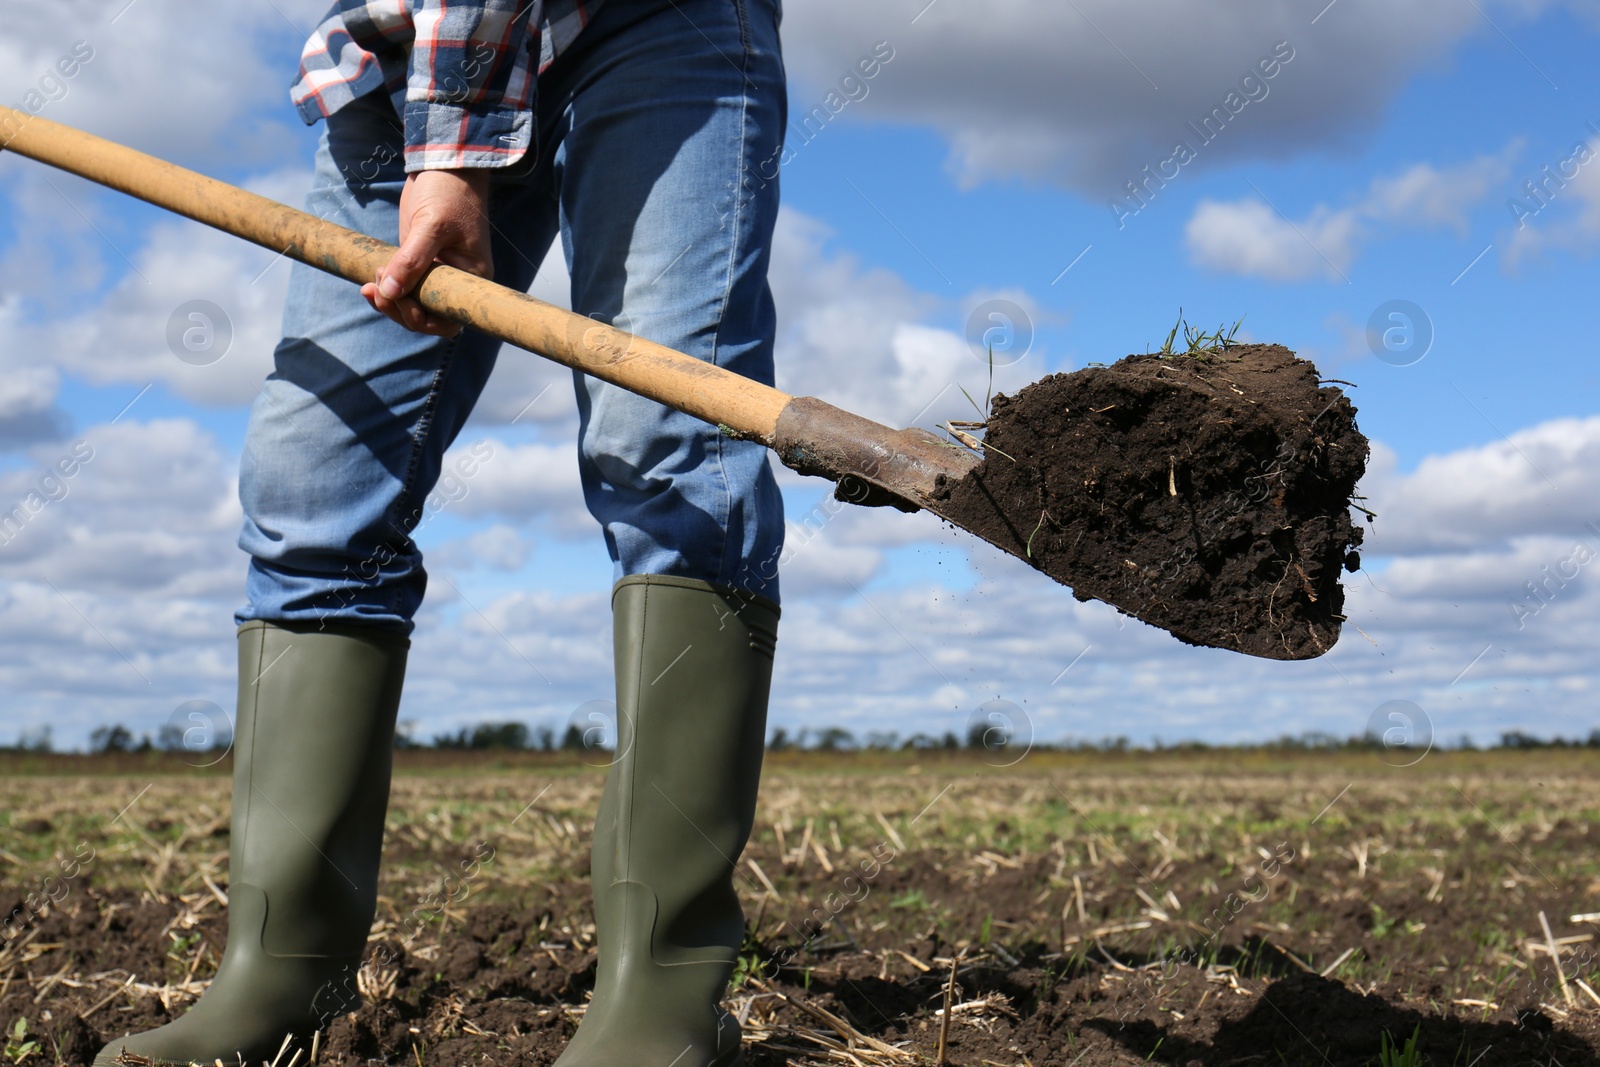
pixel 869 463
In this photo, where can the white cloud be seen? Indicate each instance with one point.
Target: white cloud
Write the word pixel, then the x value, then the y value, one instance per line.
pixel 1251 237
pixel 1470 575
pixel 499 547
pixel 1086 94
pixel 147 507
pixel 527 482
pixel 123 336
pixel 217 72
pixel 1542 480
pixel 1427 196
pixel 814 565
pixel 26 390
pixel 1553 212
pixel 1061 93
pixel 118 584
pixel 28 410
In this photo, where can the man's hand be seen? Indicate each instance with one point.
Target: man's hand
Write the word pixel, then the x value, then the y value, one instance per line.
pixel 443 219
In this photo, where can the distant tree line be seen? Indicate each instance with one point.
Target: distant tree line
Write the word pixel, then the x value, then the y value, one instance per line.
pixel 984 736
pixel 115 738
pixel 519 737
pixel 510 736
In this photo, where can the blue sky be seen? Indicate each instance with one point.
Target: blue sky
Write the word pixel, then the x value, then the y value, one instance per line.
pixel 1378 166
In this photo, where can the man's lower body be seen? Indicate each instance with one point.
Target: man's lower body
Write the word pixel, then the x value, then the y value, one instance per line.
pixel 654 131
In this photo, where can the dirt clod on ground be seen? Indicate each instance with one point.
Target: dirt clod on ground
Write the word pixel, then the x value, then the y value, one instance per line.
pixel 1207 494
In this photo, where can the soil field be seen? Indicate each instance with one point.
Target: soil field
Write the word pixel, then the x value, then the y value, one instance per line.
pixel 1257 908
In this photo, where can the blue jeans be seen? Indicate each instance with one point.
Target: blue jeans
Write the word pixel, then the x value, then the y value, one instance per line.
pixel 654 131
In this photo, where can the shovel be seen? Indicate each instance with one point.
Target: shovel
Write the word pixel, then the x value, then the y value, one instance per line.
pixel 870 464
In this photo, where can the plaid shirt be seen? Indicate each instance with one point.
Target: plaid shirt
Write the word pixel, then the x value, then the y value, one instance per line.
pixel 461 72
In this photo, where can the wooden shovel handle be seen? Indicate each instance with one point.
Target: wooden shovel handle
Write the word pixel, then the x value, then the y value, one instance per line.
pixel 743 407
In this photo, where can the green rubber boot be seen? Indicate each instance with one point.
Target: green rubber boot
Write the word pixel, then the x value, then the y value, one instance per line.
pixel 311 761
pixel 694 664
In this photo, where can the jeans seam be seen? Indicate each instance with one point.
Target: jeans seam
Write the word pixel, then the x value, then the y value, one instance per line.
pixel 733 252
pixel 744 38
pixel 419 434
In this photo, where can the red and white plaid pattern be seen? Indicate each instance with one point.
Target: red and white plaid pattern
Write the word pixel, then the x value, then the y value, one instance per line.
pixel 462 73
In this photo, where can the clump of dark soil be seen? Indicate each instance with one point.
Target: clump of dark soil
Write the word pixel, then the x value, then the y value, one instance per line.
pixel 1207 494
